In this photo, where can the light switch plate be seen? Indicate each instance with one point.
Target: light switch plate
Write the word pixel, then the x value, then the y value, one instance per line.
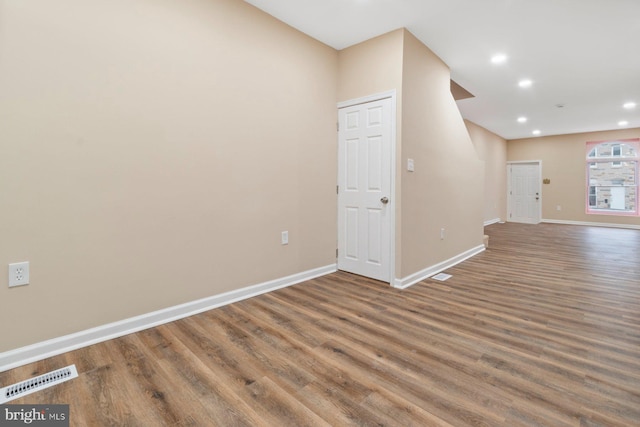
pixel 410 166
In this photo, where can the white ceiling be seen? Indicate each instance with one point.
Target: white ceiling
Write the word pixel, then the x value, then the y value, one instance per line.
pixel 582 54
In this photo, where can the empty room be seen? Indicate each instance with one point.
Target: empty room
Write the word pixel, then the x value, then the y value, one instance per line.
pixel 319 213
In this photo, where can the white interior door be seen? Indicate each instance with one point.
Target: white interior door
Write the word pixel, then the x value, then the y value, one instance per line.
pixel 524 193
pixel 364 189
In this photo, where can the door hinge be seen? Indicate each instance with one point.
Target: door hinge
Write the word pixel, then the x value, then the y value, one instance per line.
pixel 336 252
pixel 337 189
pixel 338 126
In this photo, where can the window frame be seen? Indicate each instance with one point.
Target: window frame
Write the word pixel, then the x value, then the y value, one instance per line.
pixel 594 159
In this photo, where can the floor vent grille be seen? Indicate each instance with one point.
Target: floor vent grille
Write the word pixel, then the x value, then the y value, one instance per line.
pixel 442 277
pixel 38 383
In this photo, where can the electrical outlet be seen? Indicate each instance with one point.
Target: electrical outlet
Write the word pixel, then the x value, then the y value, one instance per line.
pixel 19 274
pixel 558 208
pixel 285 238
pixel 442 234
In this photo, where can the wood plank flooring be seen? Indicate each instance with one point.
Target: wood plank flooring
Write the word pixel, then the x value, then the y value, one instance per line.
pixel 542 329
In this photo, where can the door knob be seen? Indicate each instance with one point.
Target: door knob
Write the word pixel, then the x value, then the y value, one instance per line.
pixel 384 200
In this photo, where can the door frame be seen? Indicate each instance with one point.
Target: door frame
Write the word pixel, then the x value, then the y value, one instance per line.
pixel 392 202
pixel 539 188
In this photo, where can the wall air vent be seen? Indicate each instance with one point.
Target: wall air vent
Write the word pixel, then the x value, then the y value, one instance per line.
pixel 38 383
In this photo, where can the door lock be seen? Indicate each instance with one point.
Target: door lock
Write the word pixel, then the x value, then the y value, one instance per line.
pixel 384 200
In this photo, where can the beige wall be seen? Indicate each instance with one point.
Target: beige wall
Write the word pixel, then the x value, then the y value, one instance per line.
pixel 492 149
pixel 152 152
pixel 371 67
pixel 563 162
pixel 446 189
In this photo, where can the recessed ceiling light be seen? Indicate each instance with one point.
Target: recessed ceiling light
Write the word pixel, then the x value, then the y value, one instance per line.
pixel 525 83
pixel 536 132
pixel 522 120
pixel 499 58
pixel 623 123
pixel 629 105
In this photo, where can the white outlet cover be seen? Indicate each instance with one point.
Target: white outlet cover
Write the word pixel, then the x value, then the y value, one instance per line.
pixel 19 274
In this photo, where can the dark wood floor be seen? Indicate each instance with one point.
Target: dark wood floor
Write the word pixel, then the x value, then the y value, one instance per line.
pixel 542 329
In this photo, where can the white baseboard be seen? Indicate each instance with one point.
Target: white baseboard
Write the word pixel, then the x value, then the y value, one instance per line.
pixel 437 268
pixel 42 350
pixel 591 224
pixel 492 221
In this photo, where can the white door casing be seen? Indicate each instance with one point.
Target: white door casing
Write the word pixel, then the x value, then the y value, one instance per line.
pixel 365 205
pixel 524 192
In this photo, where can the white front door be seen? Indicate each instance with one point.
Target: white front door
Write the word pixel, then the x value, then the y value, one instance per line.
pixel 364 189
pixel 524 193
pixel 617 198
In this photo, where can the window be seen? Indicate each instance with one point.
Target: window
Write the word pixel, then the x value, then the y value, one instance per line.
pixel 616 151
pixel 612 177
pixel 593 195
pixel 593 153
